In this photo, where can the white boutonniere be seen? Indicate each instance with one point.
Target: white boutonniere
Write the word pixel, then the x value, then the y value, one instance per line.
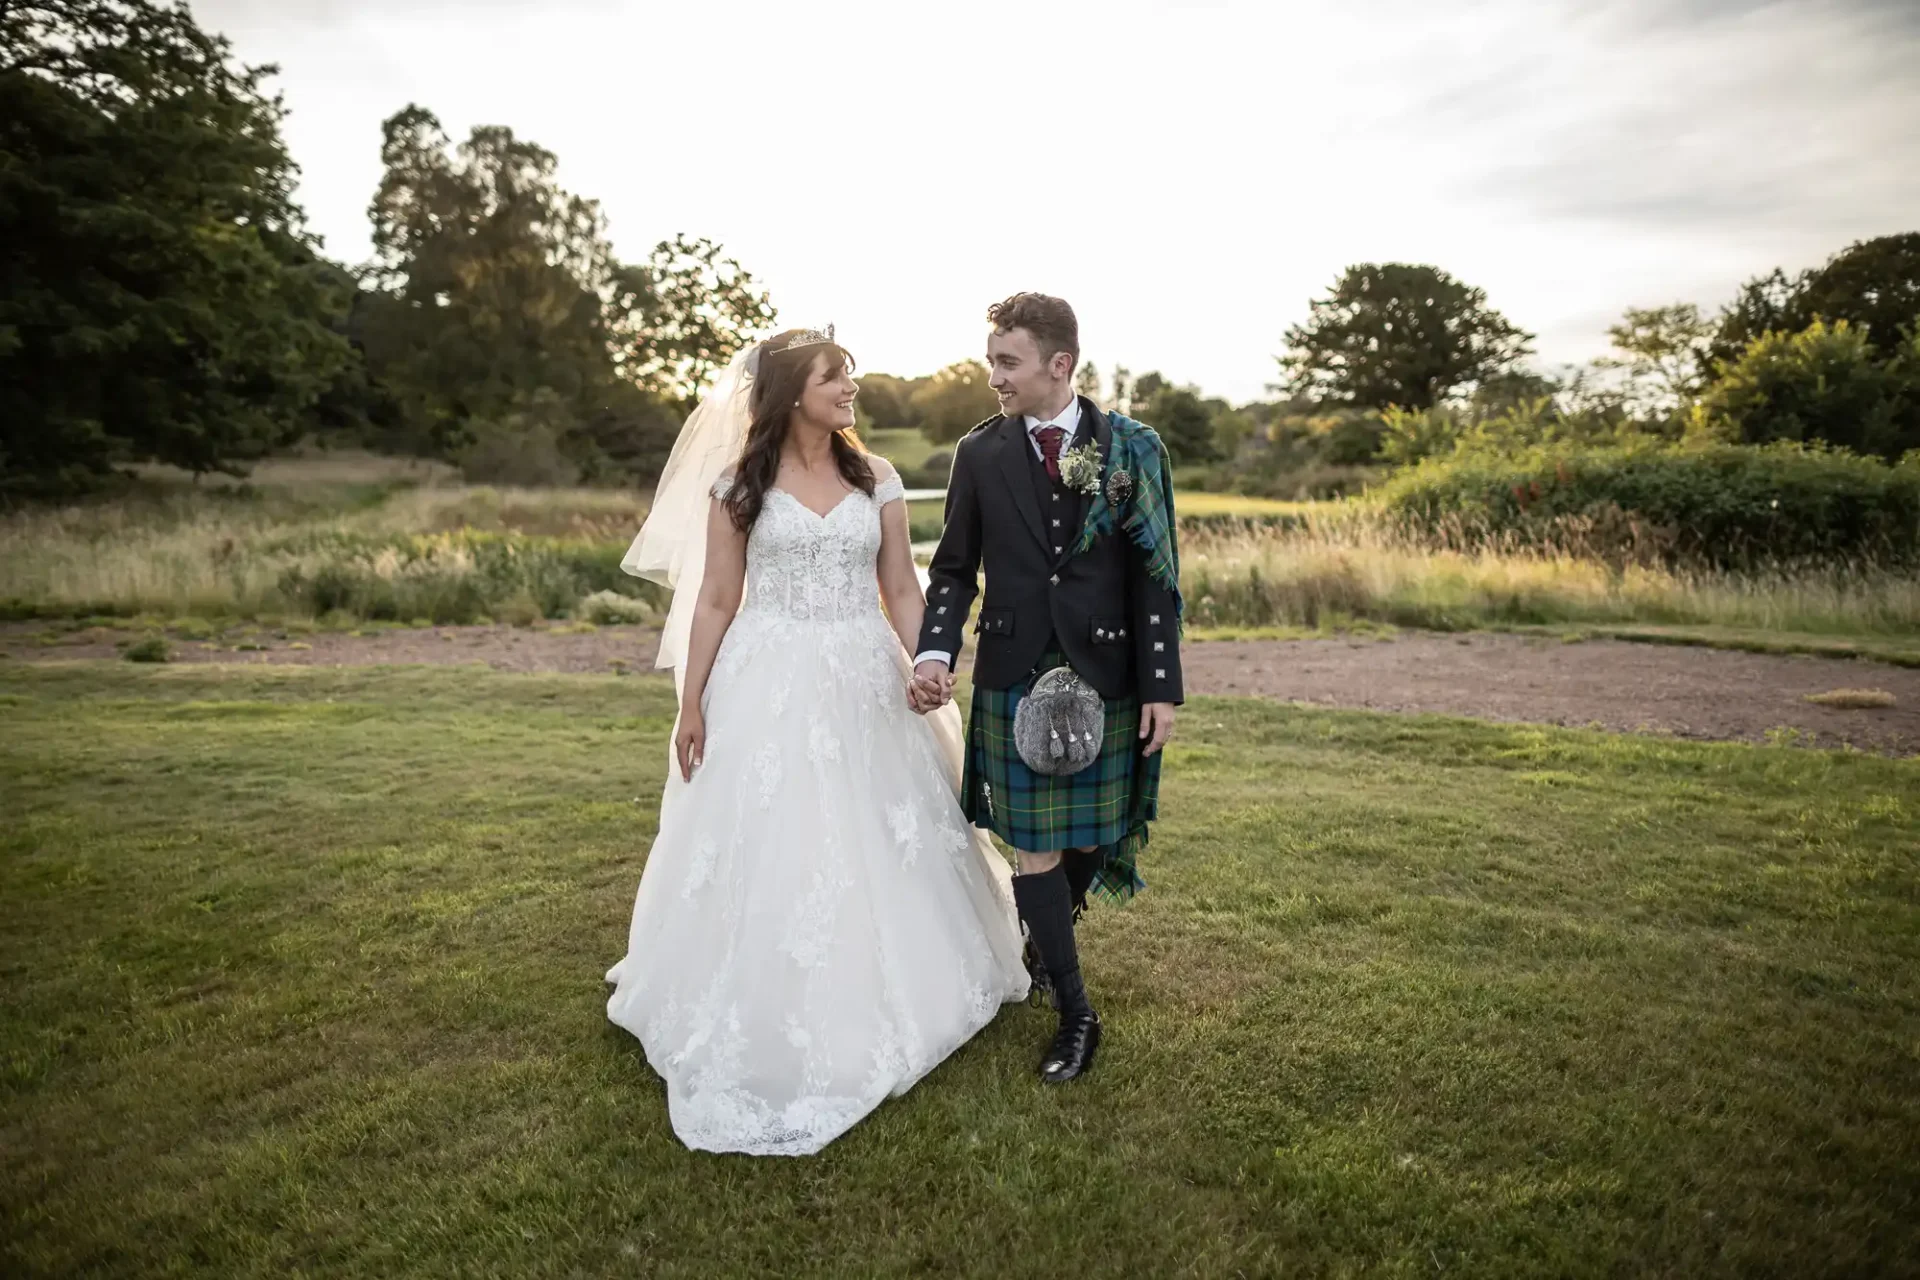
pixel 1080 468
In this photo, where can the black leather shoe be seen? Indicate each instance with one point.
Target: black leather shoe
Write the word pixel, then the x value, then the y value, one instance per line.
pixel 1071 1054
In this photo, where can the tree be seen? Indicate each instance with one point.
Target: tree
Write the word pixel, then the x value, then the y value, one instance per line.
pixel 1232 428
pixel 500 307
pixel 160 298
pixel 1395 334
pixel 1086 381
pixel 684 315
pixel 1765 304
pixel 887 401
pixel 1871 284
pixel 1663 358
pixel 492 280
pixel 1510 389
pixel 1822 383
pixel 954 400
pixel 1122 388
pixel 1145 388
pixel 1183 420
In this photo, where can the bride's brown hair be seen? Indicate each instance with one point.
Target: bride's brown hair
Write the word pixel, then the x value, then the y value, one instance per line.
pixel 783 375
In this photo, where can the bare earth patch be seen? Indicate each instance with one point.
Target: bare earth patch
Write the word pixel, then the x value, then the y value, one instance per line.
pixel 1609 684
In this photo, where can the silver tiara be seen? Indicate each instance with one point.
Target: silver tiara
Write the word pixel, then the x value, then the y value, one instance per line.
pixel 809 338
pixel 804 338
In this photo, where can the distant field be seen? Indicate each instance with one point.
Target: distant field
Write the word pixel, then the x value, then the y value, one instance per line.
pixel 1197 503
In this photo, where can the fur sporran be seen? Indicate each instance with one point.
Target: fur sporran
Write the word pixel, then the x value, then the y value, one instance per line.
pixel 1059 724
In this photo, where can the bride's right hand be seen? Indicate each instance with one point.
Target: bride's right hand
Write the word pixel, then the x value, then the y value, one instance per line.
pixel 690 743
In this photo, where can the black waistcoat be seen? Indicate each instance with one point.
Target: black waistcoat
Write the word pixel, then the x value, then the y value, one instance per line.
pixel 1057 502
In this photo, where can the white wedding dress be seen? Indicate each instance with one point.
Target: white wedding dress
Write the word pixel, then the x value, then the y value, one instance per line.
pixel 817 926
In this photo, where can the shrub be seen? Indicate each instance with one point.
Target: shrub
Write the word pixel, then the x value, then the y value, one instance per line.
pixel 448 578
pixel 609 608
pixel 516 450
pixel 1727 506
pixel 520 610
pixel 151 649
pixel 1820 384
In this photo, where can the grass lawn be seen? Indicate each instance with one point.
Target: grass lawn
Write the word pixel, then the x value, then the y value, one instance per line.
pixel 303 976
pixel 908 450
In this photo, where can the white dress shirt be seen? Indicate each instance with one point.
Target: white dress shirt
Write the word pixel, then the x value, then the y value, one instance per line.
pixel 1068 420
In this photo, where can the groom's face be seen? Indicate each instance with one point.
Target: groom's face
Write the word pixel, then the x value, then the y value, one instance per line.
pixel 1022 376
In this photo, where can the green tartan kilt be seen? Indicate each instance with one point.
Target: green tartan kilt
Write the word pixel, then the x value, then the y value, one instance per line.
pixel 1105 806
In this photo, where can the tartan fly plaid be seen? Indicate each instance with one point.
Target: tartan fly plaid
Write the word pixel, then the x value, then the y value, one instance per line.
pixel 1107 804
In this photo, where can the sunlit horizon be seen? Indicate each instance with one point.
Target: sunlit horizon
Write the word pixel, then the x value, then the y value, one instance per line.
pixel 1189 176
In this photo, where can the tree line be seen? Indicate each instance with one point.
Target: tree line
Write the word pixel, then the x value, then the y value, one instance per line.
pixel 945 405
pixel 1398 362
pixel 1832 354
pixel 161 299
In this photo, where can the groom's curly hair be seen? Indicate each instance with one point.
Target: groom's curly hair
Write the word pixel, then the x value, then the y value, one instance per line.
pixel 1049 319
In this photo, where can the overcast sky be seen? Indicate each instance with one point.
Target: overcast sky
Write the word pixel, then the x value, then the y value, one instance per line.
pixel 1188 175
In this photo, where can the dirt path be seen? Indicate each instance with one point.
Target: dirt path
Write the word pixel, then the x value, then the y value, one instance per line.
pixel 1611 684
pixel 1687 692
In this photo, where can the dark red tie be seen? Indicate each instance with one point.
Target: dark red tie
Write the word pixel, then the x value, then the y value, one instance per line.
pixel 1050 439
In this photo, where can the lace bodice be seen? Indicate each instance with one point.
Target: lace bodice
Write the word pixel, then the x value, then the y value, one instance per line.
pixel 815 568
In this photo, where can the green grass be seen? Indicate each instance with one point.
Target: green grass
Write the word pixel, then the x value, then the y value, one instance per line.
pixel 303 977
pixel 907 450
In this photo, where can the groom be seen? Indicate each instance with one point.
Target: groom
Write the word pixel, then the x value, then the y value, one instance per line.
pixel 1070 512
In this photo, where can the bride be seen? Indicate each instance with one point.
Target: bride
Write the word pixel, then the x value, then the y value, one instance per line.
pixel 818 925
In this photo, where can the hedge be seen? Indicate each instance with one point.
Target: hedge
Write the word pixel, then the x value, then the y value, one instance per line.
pixel 1724 505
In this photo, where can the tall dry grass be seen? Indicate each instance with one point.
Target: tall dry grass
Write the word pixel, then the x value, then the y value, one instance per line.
pixel 366 537
pixel 306 538
pixel 1344 564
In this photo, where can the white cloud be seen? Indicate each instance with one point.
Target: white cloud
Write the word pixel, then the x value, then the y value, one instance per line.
pixel 1188 175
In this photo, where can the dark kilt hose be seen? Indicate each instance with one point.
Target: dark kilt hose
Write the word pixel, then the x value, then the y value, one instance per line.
pixel 1105 806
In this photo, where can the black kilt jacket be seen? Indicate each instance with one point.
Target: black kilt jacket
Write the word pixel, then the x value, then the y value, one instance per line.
pixel 1005 517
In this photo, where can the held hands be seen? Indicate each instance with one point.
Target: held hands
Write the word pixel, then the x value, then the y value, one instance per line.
pixel 1156 726
pixel 931 687
pixel 690 742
